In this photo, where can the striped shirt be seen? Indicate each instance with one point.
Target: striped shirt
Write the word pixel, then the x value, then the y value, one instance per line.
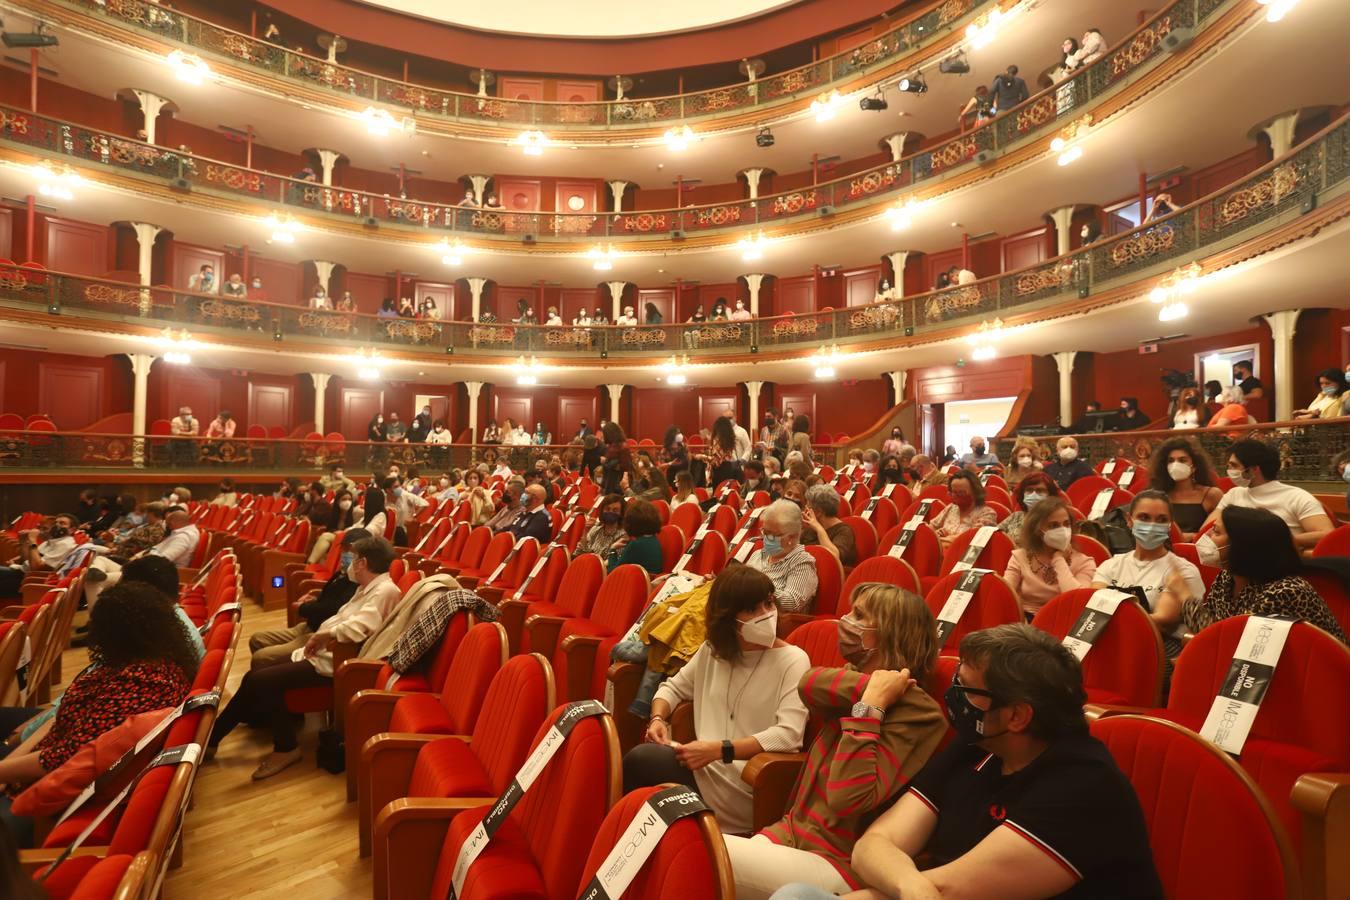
pixel 854 766
pixel 794 578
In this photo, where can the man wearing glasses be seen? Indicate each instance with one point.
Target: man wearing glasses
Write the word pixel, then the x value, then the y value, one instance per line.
pixel 1024 803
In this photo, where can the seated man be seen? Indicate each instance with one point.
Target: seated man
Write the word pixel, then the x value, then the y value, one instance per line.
pixel 262 694
pixel 533 519
pixel 824 527
pixel 316 607
pixel 1253 467
pixel 48 548
pixel 979 454
pixel 180 538
pixel 789 566
pixel 1024 797
pixel 143 536
pixel 509 507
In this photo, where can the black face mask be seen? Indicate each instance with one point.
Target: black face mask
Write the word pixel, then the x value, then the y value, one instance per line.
pixel 966 717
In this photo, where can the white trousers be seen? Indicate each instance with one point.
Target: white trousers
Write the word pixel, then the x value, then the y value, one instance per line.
pixel 761 867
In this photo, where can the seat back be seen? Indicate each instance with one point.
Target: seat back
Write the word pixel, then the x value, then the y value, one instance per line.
pixel 12 637
pixel 471 554
pixel 883 513
pixel 1336 543
pixel 724 518
pixel 935 506
pixel 545 584
pixel 924 553
pixel 518 564
pixel 495 554
pixel 994 556
pixel 672 541
pixel 829 581
pixel 579 586
pixel 480 655
pixel 819 639
pixel 1328 584
pixel 710 556
pixel 687 518
pixel 886 569
pixel 690 861
pixel 864 536
pixel 993 603
pixel 518 698
pixel 1194 800
pixel 451 549
pixel 621 598
pixel 1125 665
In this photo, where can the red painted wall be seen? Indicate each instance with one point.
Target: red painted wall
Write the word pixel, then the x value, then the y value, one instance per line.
pixel 22 388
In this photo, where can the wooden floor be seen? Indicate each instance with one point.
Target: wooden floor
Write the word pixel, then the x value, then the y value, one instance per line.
pixel 292 836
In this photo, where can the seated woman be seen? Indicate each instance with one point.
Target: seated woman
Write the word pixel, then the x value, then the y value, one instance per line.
pixel 1231 410
pixel 1024 460
pixel 1332 393
pixel 864 758
pixel 141 661
pixel 1032 489
pixel 1153 568
pixel 1183 471
pixel 820 515
pixel 743 685
pixel 340 518
pixel 474 494
pixel 789 565
pixel 374 516
pixel 966 511
pixel 606 527
pixel 638 543
pixel 1046 563
pixel 1262 575
pixel 684 490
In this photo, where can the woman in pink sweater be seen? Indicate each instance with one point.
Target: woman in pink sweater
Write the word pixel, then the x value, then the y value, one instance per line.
pixel 1046 564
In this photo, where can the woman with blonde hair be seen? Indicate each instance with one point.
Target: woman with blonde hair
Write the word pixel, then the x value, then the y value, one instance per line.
pixel 1024 459
pixel 1046 564
pixel 474 494
pixel 882 728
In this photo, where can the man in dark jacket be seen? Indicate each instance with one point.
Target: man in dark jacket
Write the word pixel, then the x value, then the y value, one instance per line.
pixel 1009 90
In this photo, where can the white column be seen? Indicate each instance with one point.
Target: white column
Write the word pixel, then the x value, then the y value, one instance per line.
pixel 752 177
pixel 140 369
pixel 151 104
pixel 897 144
pixel 753 283
pixel 752 388
pixel 1280 130
pixel 479 183
pixel 898 259
pixel 1282 327
pixel 1063 219
pixel 616 189
pixel 327 161
pixel 898 378
pixel 616 298
pixel 615 393
pixel 145 245
pixel 320 380
pixel 324 269
pixel 1064 362
pixel 476 286
pixel 474 388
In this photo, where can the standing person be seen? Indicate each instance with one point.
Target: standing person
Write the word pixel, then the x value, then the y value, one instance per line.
pixel 773 438
pixel 421 426
pixel 375 435
pixel 1046 563
pixel 320 299
pixel 742 437
pixel 1252 388
pixel 184 427
pixel 618 459
pixel 395 432
pixel 740 313
pixel 652 315
pixel 583 431
pixel 895 444
pixel 1181 470
pixel 801 438
pixel 743 685
pixel 676 452
pixel 491 433
pixel 1009 90
pixel 720 458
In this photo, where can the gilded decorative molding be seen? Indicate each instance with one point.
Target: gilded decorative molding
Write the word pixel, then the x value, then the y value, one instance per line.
pixel 1143 245
pixel 326 322
pixel 410 329
pixel 1271 189
pixel 106 293
pixel 225 311
pixel 643 337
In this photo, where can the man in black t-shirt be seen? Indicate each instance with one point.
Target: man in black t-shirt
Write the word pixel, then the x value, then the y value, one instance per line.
pixel 1025 802
pixel 1252 389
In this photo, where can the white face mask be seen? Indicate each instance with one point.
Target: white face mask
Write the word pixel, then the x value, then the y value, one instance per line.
pixel 1068 454
pixel 1058 538
pixel 1239 477
pixel 1179 471
pixel 761 632
pixel 351 571
pixel 1207 551
pixel 344 505
pixel 1024 462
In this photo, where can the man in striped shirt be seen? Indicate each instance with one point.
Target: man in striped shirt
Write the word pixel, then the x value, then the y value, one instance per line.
pixel 789 566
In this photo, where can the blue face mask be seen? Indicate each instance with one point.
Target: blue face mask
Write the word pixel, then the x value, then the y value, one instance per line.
pixel 346 560
pixel 398 492
pixel 1151 535
pixel 1330 390
pixel 773 544
pixel 1031 498
pixel 139 518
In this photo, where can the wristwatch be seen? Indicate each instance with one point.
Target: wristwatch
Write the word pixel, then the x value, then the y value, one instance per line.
pixel 866 711
pixel 728 752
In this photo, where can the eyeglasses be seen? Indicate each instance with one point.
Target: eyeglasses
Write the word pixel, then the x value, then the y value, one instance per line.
pixel 972 691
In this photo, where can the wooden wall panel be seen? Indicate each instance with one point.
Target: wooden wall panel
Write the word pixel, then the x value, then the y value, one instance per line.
pixel 519 194
pixel 508 301
pixel 712 404
pixel 516 88
pixel 368 291
pixel 795 295
pixel 654 410
pixel 663 299
pixel 572 91
pixel 577 196
pixel 271 405
pixel 573 300
pixel 573 406
pixel 7 233
pixel 76 247
pixel 185 260
pixel 282 282
pixel 356 407
pixel 517 406
pixel 71 395
pixel 978 381
pixel 801 400
pixel 860 286
pixel 1023 250
pixel 187 387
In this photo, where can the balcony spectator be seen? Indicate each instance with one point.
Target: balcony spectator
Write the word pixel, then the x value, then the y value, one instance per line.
pixel 1252 388
pixel 719 310
pixel 204 280
pixel 652 315
pixel 428 308
pixel 1009 89
pixel 1068 61
pixel 1067 467
pixel 981 103
pixel 627 319
pixel 740 313
pixel 1129 418
pixel 492 202
pixel 541 437
pixel 599 318
pixel 387 309
pixel 320 299
pixel 255 290
pixel 699 316
pixel 1092 48
pixel 553 318
pixel 582 320
pixel 306 174
pixel 943 281
pixel 491 433
pixel 1331 399
pixel 395 432
pixel 1089 422
pixel 528 318
pixel 375 433
pixel 1232 408
pixel 1163 205
pixel 1090 233
pixel 222 426
pixel 406 309
pixel 234 287
pixel 421 426
pixel 1187 414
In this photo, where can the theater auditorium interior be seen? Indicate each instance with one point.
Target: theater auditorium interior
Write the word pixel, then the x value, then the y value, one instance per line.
pixel 596 450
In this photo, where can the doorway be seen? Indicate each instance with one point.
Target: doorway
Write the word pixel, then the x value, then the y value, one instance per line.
pixel 964 419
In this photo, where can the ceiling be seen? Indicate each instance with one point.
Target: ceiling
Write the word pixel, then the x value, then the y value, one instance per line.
pixel 584 18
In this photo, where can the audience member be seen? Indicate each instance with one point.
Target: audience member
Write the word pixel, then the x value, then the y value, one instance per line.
pixel 895 444
pixel 395 432
pixel 638 544
pixel 1244 377
pixel 926 472
pixel 1262 574
pixel 1093 48
pixel 1023 461
pixel 1129 418
pixel 801 438
pixel 743 685
pixel 979 454
pixel 1231 408
pixel 180 540
pixel 966 511
pixel 222 426
pixel 203 280
pixel 533 519
pixel 783 558
pixel 272 647
pixel 234 286
pixel 606 525
pixel 1332 397
pixel 618 459
pixel 1182 470
pixel 1032 489
pixel 1008 89
pixel 227 496
pixel 651 315
pixel 1046 563
pixel 740 313
pixel 820 515
pixel 336 478
pixel 1067 467
pixel 1090 421
pixel 1252 467
pixel 510 507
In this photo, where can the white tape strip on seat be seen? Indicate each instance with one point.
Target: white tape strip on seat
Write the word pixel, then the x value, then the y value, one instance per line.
pixel 1244 687
pixel 1093 620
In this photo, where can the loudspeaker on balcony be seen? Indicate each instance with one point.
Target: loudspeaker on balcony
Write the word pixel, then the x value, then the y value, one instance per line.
pixel 370 222
pixel 826 210
pixel 677 234
pixel 1178 38
pixel 527 238
pixel 983 157
pixel 181 184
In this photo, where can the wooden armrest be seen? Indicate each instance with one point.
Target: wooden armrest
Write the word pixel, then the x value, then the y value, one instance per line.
pixel 512 618
pixel 386 765
pixel 1093 711
pixel 493 593
pixel 41 857
pixel 343 651
pixel 469 582
pixel 350 676
pixel 409 833
pixel 187 575
pixel 790 622
pixel 1323 799
pixel 10 613
pixel 544 634
pixel 624 679
pixel 771 776
pixel 580 650
pixel 682 723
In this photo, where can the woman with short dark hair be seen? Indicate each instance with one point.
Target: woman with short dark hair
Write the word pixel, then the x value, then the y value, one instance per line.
pixel 638 545
pixel 743 685
pixel 606 526
pixel 966 511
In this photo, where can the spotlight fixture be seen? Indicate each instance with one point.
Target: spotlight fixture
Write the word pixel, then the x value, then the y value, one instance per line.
pixel 764 137
pixel 526 371
pixel 283 228
pixel 532 142
pixel 368 373
pixel 1173 311
pixel 379 122
pixel 1275 11
pixel 982 33
pixel 873 104
pixel 189 68
pixel 914 84
pixel 1182 282
pixel 679 139
pixel 956 64
pixel 902 215
pixel 30 40
pixel 452 254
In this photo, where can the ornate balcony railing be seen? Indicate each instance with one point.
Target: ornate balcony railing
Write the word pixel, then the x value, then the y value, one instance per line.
pixel 906 39
pixel 1314 172
pixel 1307 447
pixel 1039 115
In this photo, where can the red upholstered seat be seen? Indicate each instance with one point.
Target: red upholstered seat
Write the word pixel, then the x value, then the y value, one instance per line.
pixel 1195 799
pixel 864 537
pixel 829 581
pixel 1125 665
pixel 101 881
pixel 820 640
pixel 471 553
pixel 495 554
pixel 1337 543
pixel 993 603
pixel 689 863
pixel 456 708
pixel 994 556
pixel 711 555
pixel 573 598
pixel 724 518
pixel 924 553
pixel 620 601
pixel 672 541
